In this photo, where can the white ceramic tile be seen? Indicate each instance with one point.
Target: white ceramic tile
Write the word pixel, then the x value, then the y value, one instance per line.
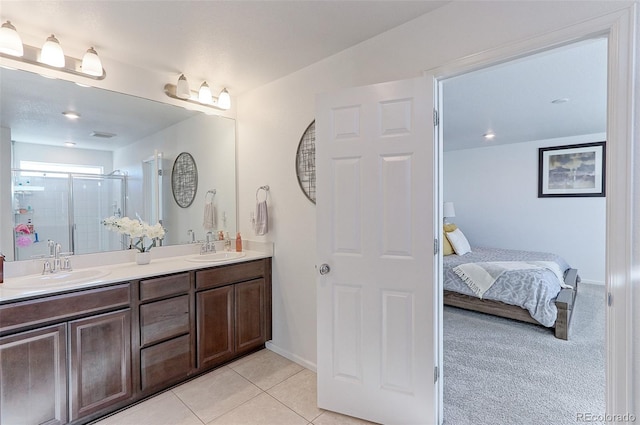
pixel 265 368
pixel 299 393
pixel 261 410
pixel 216 393
pixel 164 409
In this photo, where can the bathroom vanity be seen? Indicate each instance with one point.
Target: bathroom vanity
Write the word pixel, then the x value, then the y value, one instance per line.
pixel 75 354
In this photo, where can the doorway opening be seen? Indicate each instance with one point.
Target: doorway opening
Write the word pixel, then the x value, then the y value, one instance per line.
pixel 550 99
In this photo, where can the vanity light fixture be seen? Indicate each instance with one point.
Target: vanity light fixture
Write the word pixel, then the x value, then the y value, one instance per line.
pixel 91 63
pixel 50 56
pixel 202 97
pixel 10 41
pixel 224 100
pixel 182 88
pixel 51 53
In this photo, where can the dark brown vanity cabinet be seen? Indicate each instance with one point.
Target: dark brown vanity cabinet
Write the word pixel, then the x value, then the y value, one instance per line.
pixel 100 362
pixel 233 305
pixel 65 357
pixel 165 342
pixel 76 356
pixel 33 380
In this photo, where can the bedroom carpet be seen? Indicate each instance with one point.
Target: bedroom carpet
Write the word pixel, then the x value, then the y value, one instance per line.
pixel 499 371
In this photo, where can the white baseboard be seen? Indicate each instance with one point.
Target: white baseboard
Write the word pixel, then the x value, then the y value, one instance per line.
pixel 591 282
pixel 288 355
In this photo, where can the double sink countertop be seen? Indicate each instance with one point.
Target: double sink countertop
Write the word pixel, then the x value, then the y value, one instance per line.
pixel 27 281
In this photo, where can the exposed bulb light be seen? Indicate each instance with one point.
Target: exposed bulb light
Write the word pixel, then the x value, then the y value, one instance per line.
pixel 182 88
pixel 91 63
pixel 489 136
pixel 10 41
pixel 204 94
pixel 71 115
pixel 202 97
pixel 52 53
pixel 224 100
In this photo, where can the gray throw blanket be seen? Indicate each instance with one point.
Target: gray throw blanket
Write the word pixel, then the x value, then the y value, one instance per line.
pixel 480 276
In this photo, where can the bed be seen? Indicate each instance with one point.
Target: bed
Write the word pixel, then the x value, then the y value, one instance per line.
pixel 543 294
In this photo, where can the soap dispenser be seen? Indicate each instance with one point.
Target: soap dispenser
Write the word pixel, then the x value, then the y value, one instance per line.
pixel 238 243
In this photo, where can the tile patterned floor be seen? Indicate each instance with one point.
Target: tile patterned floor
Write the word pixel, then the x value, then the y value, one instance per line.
pixel 260 389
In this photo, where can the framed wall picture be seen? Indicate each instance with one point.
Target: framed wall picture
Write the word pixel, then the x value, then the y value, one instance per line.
pixel 572 170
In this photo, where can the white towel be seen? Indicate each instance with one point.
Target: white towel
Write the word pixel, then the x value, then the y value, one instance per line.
pixel 262 218
pixel 209 220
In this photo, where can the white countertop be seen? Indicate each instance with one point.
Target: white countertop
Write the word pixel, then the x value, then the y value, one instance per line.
pixel 161 264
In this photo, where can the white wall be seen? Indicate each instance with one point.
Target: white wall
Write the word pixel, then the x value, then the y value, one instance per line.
pixel 211 142
pixel 495 193
pixel 271 120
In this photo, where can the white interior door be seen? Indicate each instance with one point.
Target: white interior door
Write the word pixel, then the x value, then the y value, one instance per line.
pixel 378 330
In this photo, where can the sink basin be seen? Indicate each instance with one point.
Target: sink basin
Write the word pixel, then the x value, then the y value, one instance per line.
pixel 57 279
pixel 216 256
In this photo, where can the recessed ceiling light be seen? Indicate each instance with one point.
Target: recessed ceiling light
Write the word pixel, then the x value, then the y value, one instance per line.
pixel 489 136
pixel 69 144
pixel 560 100
pixel 71 115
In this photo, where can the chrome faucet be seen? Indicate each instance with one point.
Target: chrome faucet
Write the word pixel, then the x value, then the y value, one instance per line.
pixel 58 264
pixel 209 245
pixel 56 257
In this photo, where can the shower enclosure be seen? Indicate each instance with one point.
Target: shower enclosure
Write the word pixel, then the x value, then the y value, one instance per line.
pixel 67 208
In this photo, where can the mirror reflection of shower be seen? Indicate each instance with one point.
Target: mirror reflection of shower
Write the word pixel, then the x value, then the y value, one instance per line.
pixel 67 207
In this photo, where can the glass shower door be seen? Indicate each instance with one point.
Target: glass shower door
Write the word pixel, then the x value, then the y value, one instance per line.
pixel 95 198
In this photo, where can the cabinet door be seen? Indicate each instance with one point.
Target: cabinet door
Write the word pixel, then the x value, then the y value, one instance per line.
pixel 215 326
pixel 100 362
pixel 250 323
pixel 33 384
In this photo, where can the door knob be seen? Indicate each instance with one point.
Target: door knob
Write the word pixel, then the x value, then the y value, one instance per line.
pixel 324 269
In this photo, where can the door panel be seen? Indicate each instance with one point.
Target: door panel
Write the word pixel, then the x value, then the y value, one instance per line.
pixel 377 307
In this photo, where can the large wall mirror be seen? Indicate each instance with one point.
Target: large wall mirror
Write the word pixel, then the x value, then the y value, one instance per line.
pixel 120 164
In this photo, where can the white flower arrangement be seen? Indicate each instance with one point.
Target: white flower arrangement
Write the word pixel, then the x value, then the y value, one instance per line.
pixel 137 230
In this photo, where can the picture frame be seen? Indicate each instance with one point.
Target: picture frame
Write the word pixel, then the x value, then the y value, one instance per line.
pixel 572 170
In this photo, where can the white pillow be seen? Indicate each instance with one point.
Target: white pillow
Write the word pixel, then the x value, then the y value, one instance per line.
pixel 459 242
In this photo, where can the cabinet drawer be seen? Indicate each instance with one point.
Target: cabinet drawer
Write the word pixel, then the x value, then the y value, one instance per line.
pixel 164 286
pixel 164 319
pixel 224 275
pixel 60 307
pixel 165 363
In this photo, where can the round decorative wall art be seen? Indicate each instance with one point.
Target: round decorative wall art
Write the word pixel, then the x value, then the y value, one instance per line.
pixel 306 162
pixel 184 179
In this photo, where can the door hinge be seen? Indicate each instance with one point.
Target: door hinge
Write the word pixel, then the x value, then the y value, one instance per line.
pixel 436 246
pixel 436 374
pixel 436 118
pixel 609 299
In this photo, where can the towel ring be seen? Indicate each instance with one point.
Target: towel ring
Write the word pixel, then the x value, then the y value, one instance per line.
pixel 266 192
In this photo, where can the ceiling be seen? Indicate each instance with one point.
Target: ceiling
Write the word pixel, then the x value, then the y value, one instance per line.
pixel 240 45
pixel 244 44
pixel 514 100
